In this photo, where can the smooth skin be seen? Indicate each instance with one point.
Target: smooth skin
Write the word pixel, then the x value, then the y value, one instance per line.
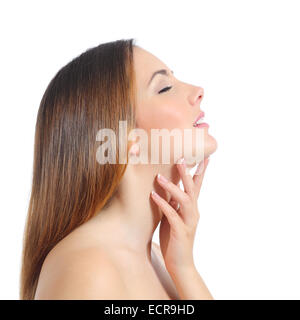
pixel 112 256
pixel 177 231
pixel 177 228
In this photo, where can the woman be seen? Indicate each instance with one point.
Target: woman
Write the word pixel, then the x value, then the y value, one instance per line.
pixel 89 228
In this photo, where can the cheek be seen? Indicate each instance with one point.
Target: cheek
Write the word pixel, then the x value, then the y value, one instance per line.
pixel 162 116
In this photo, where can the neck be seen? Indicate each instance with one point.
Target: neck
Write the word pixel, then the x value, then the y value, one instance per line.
pixel 132 213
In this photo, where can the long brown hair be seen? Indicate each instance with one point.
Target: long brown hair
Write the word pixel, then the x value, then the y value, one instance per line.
pixel 94 90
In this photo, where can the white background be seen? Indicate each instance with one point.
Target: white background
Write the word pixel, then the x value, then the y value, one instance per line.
pixel 245 54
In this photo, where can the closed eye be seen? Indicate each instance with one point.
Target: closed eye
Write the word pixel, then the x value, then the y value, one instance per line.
pixel 164 90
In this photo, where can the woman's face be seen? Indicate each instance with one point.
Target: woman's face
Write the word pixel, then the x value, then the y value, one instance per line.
pixel 177 106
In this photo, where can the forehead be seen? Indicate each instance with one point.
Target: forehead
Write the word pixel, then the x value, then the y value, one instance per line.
pixel 145 63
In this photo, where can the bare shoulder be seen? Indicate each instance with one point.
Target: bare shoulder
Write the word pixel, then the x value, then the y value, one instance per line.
pixel 86 273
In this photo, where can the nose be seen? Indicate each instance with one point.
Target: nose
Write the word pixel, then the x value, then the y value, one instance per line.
pixel 196 95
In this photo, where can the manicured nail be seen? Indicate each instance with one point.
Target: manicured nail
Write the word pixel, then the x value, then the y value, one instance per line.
pixel 162 178
pixel 154 194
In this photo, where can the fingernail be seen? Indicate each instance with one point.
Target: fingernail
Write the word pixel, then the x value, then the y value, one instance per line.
pixel 154 194
pixel 200 168
pixel 162 178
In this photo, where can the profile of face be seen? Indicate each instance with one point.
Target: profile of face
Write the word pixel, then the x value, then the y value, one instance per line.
pixel 164 102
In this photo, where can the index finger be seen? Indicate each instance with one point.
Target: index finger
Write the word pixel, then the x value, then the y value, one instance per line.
pixel 186 178
pixel 199 174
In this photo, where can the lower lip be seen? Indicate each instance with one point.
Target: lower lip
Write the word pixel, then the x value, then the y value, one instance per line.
pixel 202 125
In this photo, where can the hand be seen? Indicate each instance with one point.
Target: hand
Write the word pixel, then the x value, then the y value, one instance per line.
pixel 177 228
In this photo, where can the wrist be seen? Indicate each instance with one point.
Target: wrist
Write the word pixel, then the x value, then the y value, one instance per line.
pixel 182 271
pixel 189 284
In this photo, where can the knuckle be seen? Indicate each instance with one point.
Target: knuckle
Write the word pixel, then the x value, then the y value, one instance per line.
pixel 185 199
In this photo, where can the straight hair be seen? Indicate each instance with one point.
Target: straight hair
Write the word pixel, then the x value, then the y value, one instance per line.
pixel 94 90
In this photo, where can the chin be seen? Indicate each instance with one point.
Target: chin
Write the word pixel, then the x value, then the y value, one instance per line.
pixel 210 146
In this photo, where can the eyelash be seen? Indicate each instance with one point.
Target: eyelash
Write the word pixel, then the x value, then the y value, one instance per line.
pixel 164 90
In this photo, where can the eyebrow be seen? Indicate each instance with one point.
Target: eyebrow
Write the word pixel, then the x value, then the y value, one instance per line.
pixel 162 71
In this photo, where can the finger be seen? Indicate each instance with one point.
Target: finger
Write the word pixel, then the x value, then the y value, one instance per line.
pixel 176 193
pixel 174 219
pixel 173 204
pixel 199 175
pixel 186 178
pixel 172 201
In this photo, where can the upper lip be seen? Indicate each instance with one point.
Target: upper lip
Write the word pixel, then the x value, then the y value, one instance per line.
pixel 200 115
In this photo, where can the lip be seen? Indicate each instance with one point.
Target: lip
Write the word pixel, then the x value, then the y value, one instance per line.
pixel 200 115
pixel 202 125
